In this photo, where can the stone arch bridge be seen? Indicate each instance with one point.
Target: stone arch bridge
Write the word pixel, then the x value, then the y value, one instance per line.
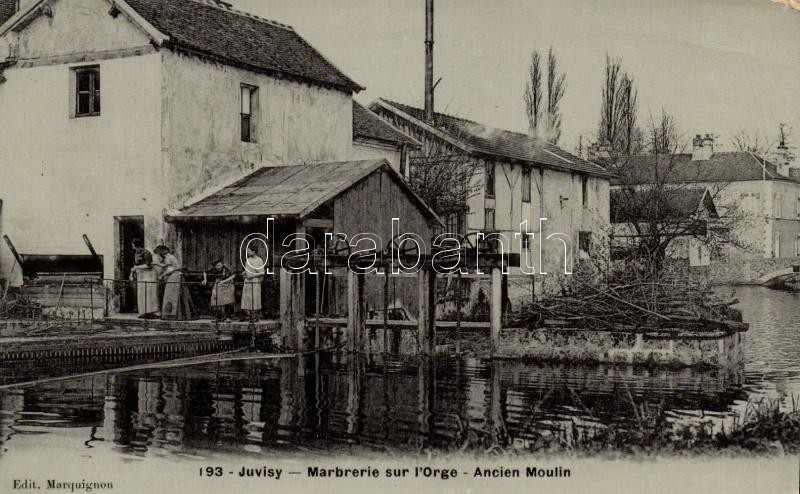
pixel 765 271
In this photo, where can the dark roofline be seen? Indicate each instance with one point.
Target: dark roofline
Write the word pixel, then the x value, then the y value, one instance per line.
pixel 397 109
pixel 278 74
pixel 159 38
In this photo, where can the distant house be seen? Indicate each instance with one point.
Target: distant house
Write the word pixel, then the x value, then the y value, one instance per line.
pixel 688 210
pixel 766 191
pixel 524 179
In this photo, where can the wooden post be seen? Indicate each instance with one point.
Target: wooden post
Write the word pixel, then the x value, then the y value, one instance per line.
pixel 356 315
pixel 496 310
pixel 426 316
pixel 293 308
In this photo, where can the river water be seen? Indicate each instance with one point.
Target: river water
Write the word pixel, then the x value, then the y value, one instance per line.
pixel 324 404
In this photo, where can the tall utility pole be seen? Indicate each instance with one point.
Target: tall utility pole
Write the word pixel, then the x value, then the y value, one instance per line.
pixel 429 60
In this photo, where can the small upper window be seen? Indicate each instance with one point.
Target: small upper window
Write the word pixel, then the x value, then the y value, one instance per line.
pixel 87 91
pixel 585 191
pixel 526 185
pixel 248 112
pixel 489 179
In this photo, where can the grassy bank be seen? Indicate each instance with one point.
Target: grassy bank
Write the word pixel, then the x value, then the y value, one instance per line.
pixel 762 430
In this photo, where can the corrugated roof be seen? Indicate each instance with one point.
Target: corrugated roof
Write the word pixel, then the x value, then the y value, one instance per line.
pixel 678 204
pixel 234 37
pixel 368 125
pixel 720 167
pixel 289 191
pixel 500 143
pixel 7 9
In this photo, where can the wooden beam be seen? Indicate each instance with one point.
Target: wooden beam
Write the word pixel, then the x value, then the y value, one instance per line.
pixel 318 223
pixel 356 313
pixel 496 319
pixel 426 317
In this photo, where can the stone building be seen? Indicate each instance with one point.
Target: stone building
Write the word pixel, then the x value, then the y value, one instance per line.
pixel 689 213
pixel 522 179
pixel 116 112
pixel 763 192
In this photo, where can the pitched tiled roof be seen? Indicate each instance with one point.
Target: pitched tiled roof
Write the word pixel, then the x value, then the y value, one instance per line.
pixel 720 167
pixel 678 204
pixel 289 191
pixel 222 33
pixel 500 143
pixel 368 125
pixel 7 9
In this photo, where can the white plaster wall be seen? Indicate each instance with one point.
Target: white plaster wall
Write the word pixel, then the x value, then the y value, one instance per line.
pixel 547 189
pixel 362 151
pixel 296 123
pixel 61 177
pixel 78 26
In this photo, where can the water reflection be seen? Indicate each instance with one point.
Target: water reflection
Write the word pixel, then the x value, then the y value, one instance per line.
pixel 322 404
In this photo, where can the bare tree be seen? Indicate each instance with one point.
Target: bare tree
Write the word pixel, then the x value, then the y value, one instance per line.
pixel 446 178
pixel 663 134
pixel 533 94
pixel 618 113
pixel 753 142
pixel 543 108
pixel 652 209
pixel 556 85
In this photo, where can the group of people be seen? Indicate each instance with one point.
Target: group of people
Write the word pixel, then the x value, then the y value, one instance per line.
pixel 161 290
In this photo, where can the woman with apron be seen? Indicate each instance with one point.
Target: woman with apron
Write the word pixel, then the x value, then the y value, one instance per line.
pixel 251 292
pixel 177 304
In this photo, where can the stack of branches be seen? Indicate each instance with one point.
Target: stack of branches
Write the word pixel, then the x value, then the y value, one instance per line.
pixel 627 301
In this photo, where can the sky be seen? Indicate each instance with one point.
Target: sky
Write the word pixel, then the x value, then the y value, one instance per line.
pixel 719 66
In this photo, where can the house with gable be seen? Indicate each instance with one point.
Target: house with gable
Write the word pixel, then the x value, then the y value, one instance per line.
pixel 117 115
pixel 761 193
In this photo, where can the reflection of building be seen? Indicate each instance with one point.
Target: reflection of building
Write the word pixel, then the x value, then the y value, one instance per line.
pixel 406 405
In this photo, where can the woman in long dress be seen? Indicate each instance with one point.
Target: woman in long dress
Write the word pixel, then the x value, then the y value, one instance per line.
pixel 146 277
pixel 251 291
pixel 177 303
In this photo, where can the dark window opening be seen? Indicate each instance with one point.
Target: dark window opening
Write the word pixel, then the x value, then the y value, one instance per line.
pixel 87 92
pixel 585 241
pixel 489 179
pixel 526 186
pixel 456 223
pixel 248 107
pixel 585 191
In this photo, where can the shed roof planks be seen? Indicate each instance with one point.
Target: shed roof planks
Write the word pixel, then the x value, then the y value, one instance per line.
pixel 290 191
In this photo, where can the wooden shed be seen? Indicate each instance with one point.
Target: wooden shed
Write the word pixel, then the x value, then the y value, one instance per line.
pixel 349 197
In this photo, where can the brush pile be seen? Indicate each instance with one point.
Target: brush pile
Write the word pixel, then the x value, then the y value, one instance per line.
pixel 625 302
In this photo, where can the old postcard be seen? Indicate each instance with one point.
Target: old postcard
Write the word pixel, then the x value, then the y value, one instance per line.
pixel 400 246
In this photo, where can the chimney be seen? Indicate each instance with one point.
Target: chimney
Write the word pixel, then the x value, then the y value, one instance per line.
pixel 429 60
pixel 782 156
pixel 702 147
pixel 598 152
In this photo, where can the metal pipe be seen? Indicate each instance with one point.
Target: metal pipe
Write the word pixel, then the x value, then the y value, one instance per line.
pixel 89 245
pixel 13 250
pixel 429 61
